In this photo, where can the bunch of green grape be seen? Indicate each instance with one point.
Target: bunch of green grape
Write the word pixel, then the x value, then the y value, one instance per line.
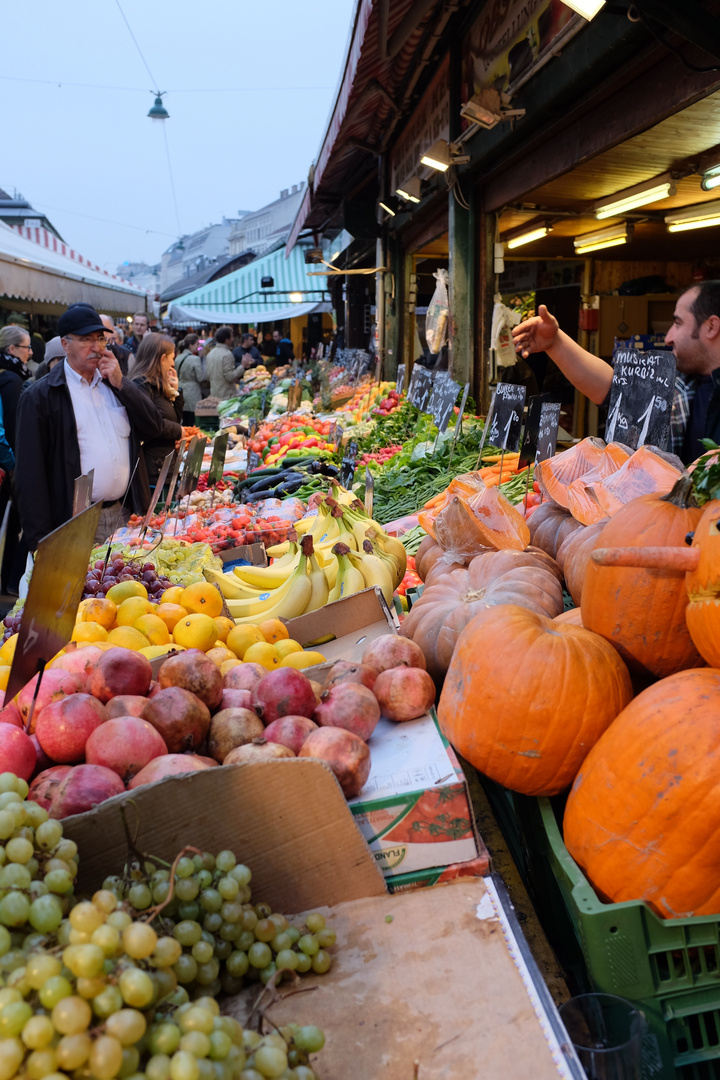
pixel 38 867
pixel 226 940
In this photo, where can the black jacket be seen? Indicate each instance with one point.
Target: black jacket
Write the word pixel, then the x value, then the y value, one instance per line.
pixel 155 450
pixel 48 454
pixel 13 378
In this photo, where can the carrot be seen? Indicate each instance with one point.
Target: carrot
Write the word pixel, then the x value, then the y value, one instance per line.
pixel 512 456
pixel 435 500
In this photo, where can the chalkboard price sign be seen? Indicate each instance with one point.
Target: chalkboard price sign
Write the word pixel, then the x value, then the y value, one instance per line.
pixel 347 468
pixel 423 386
pixel 443 399
pixel 217 463
pixel 543 413
pixel 547 435
pixel 400 379
pixel 507 416
pixel 641 398
pixel 254 461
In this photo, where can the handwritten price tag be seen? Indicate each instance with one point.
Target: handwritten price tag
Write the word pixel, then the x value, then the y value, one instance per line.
pixel 641 398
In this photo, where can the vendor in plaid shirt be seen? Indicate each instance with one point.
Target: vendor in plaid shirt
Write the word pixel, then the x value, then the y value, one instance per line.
pixel 694 338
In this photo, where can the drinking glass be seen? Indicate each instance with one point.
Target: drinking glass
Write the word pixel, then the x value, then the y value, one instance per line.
pixel 607 1033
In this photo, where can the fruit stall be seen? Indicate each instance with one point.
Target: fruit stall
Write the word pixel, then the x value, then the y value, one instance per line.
pixel 380 631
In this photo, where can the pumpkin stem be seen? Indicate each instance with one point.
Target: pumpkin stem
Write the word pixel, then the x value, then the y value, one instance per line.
pixel 682 493
pixel 652 558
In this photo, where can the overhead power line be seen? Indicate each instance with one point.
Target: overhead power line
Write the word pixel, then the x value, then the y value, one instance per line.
pixel 62 83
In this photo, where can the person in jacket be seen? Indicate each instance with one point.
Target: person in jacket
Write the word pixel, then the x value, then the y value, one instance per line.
pixel 54 353
pixel 84 415
pixel 15 351
pixel 247 352
pixel 156 376
pixel 191 375
pixel 222 370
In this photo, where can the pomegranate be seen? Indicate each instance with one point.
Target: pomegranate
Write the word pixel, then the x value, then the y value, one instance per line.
pixel 43 788
pixel 404 693
pixel 351 706
pixel 290 731
pixel 169 765
pixel 230 728
pixel 208 762
pixel 17 753
pixel 182 719
pixel 155 689
pixel 120 671
pixel 42 761
pixel 346 754
pixel 244 677
pixel 344 671
pixel 192 671
pixel 53 686
pixel 64 727
pixel 124 744
pixel 390 651
pixel 11 715
pixel 236 699
pixel 84 787
pixel 79 661
pixel 283 692
pixel 258 750
pixel 126 705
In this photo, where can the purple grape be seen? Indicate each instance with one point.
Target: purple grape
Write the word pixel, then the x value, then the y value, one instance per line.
pixel 125 576
pixel 99 564
pixel 100 595
pixel 149 566
pixel 92 586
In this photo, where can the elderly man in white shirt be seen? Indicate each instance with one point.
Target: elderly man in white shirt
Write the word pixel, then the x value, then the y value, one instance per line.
pixel 84 415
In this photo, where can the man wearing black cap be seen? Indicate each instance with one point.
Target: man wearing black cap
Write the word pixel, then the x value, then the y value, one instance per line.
pixel 84 415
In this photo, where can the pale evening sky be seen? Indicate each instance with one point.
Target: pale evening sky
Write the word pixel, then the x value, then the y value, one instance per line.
pixel 250 87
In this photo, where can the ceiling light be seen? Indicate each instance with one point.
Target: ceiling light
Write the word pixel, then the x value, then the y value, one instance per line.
pixel 296 297
pixel 534 231
pixel 438 156
pixel 389 204
pixel 613 236
pixel 661 187
pixel 711 178
pixel 699 216
pixel 587 8
pixel 411 190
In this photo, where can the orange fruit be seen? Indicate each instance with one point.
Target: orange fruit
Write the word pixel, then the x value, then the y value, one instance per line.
pixel 89 632
pixel 285 648
pixel 202 598
pixel 131 609
pixel 171 614
pixel 224 626
pixel 100 611
pixel 273 630
pixel 220 655
pixel 7 651
pixel 172 595
pixel 263 653
pixel 154 629
pixel 127 637
pixel 242 637
pixel 124 590
pixel 196 631
pixel 228 664
pixel 4 676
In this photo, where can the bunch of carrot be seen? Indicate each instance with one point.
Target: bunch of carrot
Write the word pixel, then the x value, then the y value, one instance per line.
pixel 498 470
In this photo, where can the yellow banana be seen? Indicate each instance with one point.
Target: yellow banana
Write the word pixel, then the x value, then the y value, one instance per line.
pixel 266 601
pixel 318 582
pixel 325 529
pixel 266 577
pixel 349 578
pixel 330 570
pixel 230 586
pixel 287 602
pixel 373 570
pixel 278 551
pixel 288 557
pixel 305 524
pixel 344 536
pixel 390 546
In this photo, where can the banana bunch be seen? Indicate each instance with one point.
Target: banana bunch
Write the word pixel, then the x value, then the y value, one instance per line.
pixel 342 551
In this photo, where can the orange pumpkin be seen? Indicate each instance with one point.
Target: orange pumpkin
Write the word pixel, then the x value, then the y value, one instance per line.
pixel 703 586
pixel 530 731
pixel 549 526
pixel 643 817
pixel 556 474
pixel 574 555
pixel 573 616
pixel 641 611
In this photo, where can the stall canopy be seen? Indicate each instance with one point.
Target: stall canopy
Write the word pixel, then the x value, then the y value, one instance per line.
pixel 241 297
pixel 41 272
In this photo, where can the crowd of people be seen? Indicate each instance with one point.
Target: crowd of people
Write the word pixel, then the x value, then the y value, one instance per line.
pixel 101 401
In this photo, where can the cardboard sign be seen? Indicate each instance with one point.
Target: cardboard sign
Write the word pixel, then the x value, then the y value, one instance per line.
pixel 217 463
pixel 369 492
pixel 507 416
pixel 253 425
pixel 82 492
pixel 400 378
pixel 176 471
pixel 162 477
pixel 421 386
pixel 56 585
pixel 336 436
pixel 254 461
pixel 294 396
pixel 193 465
pixel 641 398
pixel 442 401
pixel 349 464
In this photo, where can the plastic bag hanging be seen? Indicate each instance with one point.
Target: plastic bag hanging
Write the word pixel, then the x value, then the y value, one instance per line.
pixel 438 312
pixel 503 321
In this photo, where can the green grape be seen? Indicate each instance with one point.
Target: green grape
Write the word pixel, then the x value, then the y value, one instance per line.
pixel 228 888
pixel 210 900
pixel 185 969
pixel 66 850
pixel 209 1004
pixel 259 954
pixel 9 798
pixel 5 941
pixel 7 824
pixel 309 1038
pixel 12 1053
pixel 160 892
pixel 190 911
pixel 183 1066
pixel 185 867
pixel 38 888
pixel 90 988
pixel 326 938
pixel 58 881
pixel 13 1018
pixel 304 963
pixel 40 967
pixel 237 964
pixel 136 988
pixel 265 930
pixel 14 875
pixel 72 1015
pixel 8 994
pixel 229 984
pixel 9 782
pixel 220 1045
pixel 197 1018
pixel 13 960
pixel 271 1061
pixel 242 874
pixel 158 1067
pixel 54 990
pixel 108 939
pixel 251 1040
pixel 315 922
pixel 212 922
pixel 14 909
pixel 35 815
pixel 207 861
pixel 204 878
pixel 196 1043
pixel 164 981
pixel 178 997
pixel 49 834
pixel 105 901
pixel 38 1032
pixel 164 1038
pixel 304 1072
pixel 108 1002
pixel 140 896
pixel 119 919
pixel 251 1074
pixel 321 962
pixel 222 948
pixel 263 910
pixel 308 944
pixel 187 933
pixel 106 1057
pixel 40 1063
pixel 128 1026
pixel 244 940
pixel 225 861
pixel 85 917
pixel 115 885
pixel 167 952
pixel 202 952
pixel 249 919
pixel 60 864
pixel 268 973
pixel 229 931
pixel 187 889
pixel 130 1063
pixel 139 941
pixel 208 973
pixel 73 1051
pixel 282 940
pixel 232 911
pixel 160 875
pixel 280 922
pixel 286 959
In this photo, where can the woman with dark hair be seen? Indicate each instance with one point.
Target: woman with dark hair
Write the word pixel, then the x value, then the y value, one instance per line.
pixel 191 374
pixel 154 372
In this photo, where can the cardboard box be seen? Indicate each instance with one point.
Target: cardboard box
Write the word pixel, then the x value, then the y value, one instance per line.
pixel 256 554
pixel 430 976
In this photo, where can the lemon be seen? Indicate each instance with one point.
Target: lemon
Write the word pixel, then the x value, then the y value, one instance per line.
pixel 125 589
pixel 219 654
pixel 154 629
pixel 228 664
pixel 285 648
pixel 151 651
pixel 131 609
pixel 7 651
pixel 88 631
pixel 263 653
pixel 242 637
pixel 196 632
pixel 127 637
pixel 4 676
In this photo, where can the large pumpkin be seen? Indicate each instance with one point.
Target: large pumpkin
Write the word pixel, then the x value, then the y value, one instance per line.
pixel 526 697
pixel 703 586
pixel 574 556
pixel 642 611
pixel 549 525
pixel 498 577
pixel 643 817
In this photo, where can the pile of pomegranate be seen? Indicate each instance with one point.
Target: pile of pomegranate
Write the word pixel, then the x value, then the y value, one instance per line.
pixel 102 725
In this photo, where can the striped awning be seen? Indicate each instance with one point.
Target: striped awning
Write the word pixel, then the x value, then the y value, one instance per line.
pixel 241 298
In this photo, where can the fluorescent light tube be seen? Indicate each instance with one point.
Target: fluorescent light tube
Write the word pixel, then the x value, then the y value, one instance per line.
pixel 527 237
pixel 438 156
pixel 587 8
pixel 604 238
pixel 698 216
pixel 622 201
pixel 411 190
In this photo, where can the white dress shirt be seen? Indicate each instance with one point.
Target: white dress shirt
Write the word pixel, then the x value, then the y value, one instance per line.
pixel 103 432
